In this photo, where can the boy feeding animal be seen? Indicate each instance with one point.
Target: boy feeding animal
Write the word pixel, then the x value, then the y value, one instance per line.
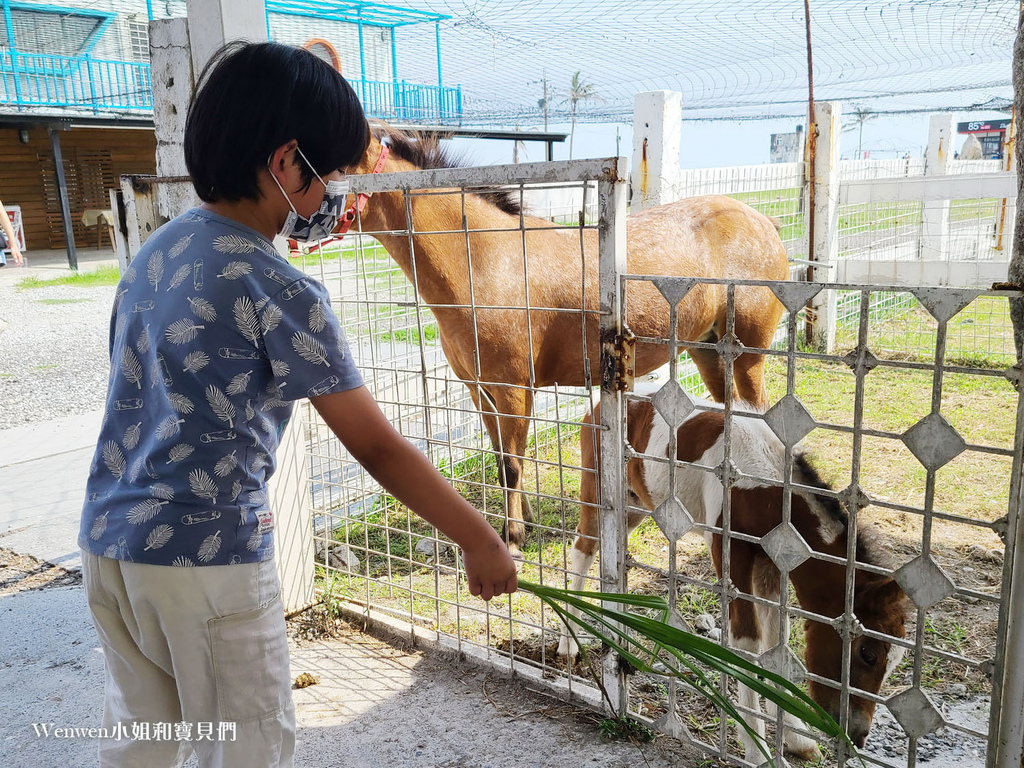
pixel 213 337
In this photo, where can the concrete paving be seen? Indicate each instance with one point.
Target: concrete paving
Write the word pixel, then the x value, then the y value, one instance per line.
pixel 43 469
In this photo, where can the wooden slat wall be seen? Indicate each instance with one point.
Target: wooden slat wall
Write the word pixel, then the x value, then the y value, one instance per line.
pixel 28 179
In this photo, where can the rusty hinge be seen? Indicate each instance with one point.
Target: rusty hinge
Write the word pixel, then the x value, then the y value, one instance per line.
pixel 618 360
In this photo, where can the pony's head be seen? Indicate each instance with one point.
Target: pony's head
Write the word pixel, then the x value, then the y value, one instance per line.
pixel 881 606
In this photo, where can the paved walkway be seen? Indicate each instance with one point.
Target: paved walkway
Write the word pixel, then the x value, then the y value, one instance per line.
pixel 43 469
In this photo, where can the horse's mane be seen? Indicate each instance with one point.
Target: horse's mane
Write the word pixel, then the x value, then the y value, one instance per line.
pixel 868 549
pixel 425 151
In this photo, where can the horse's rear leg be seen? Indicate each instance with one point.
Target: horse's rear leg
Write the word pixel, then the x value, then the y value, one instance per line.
pixel 747 373
pixel 757 318
pixel 505 412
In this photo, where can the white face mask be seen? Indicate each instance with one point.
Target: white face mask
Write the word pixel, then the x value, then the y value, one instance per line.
pixel 322 223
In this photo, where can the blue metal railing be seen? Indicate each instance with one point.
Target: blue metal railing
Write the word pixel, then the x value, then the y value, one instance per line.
pixel 74 82
pixel 83 83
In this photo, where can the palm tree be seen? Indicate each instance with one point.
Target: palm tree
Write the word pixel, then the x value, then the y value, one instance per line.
pixel 578 92
pixel 860 116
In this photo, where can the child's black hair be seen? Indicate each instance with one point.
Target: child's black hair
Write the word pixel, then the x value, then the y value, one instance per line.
pixel 253 97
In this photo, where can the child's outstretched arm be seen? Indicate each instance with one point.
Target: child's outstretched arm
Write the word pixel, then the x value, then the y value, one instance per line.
pixel 394 462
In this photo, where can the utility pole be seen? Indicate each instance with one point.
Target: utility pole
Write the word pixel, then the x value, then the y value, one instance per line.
pixel 544 101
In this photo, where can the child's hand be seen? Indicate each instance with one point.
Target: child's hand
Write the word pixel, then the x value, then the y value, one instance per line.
pixel 490 569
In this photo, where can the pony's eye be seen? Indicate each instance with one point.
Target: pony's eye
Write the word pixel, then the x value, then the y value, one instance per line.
pixel 869 655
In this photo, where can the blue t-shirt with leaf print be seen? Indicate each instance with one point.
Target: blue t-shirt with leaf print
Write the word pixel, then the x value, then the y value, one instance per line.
pixel 213 335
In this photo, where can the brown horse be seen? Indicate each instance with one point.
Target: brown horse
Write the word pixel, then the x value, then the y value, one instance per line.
pixel 756 509
pixel 715 237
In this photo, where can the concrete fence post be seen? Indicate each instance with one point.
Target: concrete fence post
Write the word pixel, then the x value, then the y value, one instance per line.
pixel 172 80
pixel 935 218
pixel 657 129
pixel 825 248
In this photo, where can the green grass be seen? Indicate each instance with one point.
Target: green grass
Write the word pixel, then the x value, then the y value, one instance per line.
pixel 412 335
pixel 107 275
pixel 62 301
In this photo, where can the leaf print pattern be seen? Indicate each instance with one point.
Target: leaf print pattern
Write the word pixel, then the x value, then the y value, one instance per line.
pixel 180 452
pixel 180 403
pixel 280 368
pixel 239 383
pixel 309 349
pixel 246 320
pixel 155 269
pixel 195 361
pixel 233 244
pixel 271 317
pixel 181 274
pixel 236 490
pixel 236 269
pixel 258 498
pixel 273 403
pixel 99 527
pixel 182 562
pixel 158 537
pixel 259 461
pixel 255 540
pixel 179 247
pixel 209 548
pixel 114 459
pixel 145 511
pixel 202 309
pixel 131 367
pixel 162 491
pixel 130 275
pixel 221 405
pixel 203 485
pixel 169 427
pixel 143 341
pixel 132 435
pixel 317 317
pixel 182 331
pixel 225 466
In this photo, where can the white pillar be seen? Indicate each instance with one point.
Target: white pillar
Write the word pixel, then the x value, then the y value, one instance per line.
pixel 172 78
pixel 657 129
pixel 935 222
pixel 825 179
pixel 211 23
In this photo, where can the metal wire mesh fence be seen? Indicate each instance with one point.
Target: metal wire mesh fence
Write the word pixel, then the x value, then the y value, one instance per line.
pixel 922 449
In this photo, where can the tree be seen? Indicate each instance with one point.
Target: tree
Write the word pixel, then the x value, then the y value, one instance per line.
pixel 860 116
pixel 578 92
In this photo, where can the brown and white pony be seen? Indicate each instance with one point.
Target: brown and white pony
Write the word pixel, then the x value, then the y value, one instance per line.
pixel 715 237
pixel 756 508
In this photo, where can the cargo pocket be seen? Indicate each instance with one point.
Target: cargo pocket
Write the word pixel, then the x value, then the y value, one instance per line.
pixel 250 663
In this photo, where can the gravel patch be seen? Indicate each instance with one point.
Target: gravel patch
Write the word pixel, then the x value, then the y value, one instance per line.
pixel 53 353
pixel 946 747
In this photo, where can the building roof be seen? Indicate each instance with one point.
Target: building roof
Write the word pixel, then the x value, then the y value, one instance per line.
pixel 354 12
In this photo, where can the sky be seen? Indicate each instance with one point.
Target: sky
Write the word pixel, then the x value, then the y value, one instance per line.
pixel 722 143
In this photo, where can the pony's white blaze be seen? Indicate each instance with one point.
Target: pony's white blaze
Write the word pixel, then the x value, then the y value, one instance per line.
pixel 893 659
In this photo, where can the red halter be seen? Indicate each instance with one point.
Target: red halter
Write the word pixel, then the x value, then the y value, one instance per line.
pixel 359 205
pixel 356 209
